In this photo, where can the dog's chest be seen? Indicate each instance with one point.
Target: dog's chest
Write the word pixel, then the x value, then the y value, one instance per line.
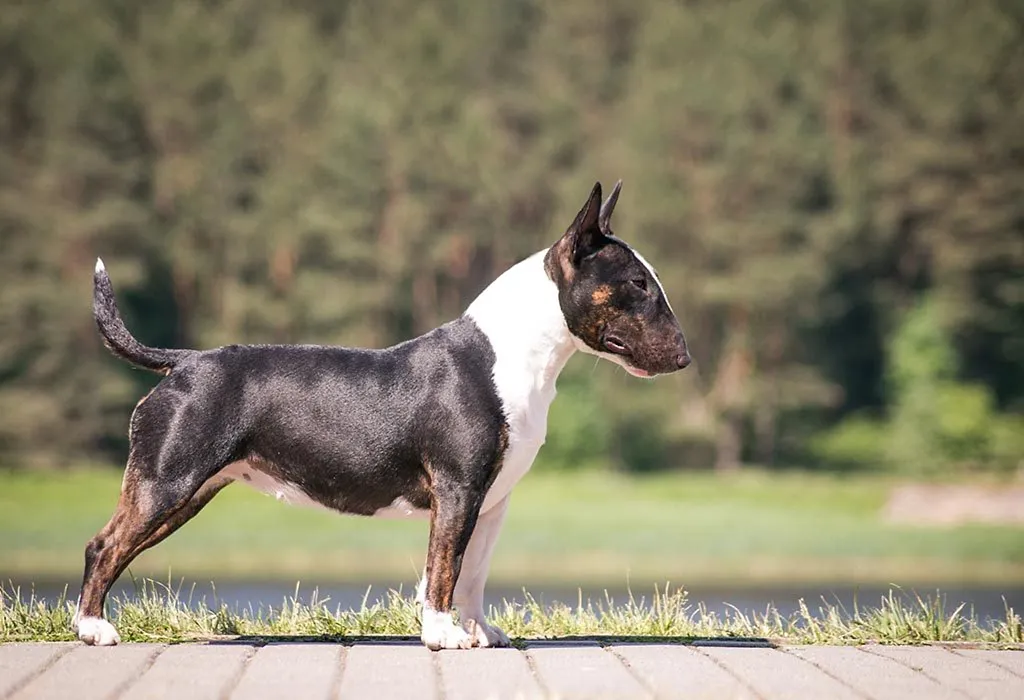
pixel 527 422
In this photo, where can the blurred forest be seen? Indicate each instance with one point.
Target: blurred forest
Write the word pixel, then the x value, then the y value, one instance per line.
pixel 831 190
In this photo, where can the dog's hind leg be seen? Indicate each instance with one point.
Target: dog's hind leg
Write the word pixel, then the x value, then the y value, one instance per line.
pixel 183 515
pixel 150 508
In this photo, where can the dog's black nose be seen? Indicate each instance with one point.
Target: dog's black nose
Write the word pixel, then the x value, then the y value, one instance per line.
pixel 683 360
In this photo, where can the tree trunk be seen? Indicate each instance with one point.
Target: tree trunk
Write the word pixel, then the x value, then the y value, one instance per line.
pixel 729 443
pixel 764 432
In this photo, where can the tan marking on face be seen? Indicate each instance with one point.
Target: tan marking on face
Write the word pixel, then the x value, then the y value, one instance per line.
pixel 601 295
pixel 593 323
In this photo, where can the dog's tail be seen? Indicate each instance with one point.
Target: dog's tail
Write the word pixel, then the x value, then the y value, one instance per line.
pixel 116 336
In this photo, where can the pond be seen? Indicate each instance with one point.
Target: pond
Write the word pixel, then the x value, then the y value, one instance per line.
pixel 986 602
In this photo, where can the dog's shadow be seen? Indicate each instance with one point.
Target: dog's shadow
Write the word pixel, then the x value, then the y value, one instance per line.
pixel 521 644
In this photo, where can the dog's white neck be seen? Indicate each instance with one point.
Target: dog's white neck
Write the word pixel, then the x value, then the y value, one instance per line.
pixel 520 314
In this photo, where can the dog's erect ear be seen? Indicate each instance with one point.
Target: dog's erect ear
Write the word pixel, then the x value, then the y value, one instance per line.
pixel 605 219
pixel 585 236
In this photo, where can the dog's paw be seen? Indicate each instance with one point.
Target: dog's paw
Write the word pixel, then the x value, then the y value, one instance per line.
pixel 440 632
pixel 485 635
pixel 97 631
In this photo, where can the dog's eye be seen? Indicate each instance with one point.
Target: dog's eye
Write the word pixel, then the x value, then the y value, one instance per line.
pixel 640 283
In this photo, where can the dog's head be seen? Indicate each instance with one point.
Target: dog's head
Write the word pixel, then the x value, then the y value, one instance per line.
pixel 611 298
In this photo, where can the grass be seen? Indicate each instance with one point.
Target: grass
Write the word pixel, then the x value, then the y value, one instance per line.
pixel 562 529
pixel 160 614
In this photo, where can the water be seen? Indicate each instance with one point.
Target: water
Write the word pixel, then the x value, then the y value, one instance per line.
pixel 987 603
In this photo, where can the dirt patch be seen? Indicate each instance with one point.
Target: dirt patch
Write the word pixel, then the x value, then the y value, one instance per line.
pixel 940 505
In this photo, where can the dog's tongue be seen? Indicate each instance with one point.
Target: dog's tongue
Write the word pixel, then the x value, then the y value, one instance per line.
pixel 637 372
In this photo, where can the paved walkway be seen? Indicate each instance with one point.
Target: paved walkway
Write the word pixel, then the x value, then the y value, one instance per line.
pixel 565 669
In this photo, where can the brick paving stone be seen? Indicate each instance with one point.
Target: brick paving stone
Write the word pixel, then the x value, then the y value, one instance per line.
pixel 382 670
pixel 300 670
pixel 1011 660
pixel 393 669
pixel 192 672
pixel 88 673
pixel 486 673
pixel 873 675
pixel 681 672
pixel 973 676
pixel 19 662
pixel 582 670
pixel 775 674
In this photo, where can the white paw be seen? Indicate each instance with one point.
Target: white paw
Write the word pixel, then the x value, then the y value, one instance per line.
pixel 97 631
pixel 485 635
pixel 440 631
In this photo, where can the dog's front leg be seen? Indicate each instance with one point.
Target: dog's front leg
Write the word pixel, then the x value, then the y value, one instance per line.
pixel 452 518
pixel 469 591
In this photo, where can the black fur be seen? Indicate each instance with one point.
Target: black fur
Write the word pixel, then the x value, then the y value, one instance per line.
pixel 116 336
pixel 352 428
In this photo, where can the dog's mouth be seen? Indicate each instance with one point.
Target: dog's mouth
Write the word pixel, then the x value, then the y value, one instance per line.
pixel 616 346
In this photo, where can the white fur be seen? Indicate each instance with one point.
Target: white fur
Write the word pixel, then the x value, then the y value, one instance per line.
pixel 99 265
pixel 654 274
pixel 401 508
pixel 287 492
pixel 97 631
pixel 261 481
pixel 520 315
pixel 439 631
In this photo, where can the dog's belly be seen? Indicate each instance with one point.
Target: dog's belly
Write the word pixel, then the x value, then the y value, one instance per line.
pixel 254 475
pixel 284 491
pixel 401 508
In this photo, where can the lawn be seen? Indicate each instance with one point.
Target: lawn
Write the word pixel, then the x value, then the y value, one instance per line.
pixel 753 529
pixel 155 616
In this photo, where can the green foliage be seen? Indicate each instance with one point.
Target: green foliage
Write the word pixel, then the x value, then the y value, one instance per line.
pixel 938 423
pixel 578 427
pixel 1007 445
pixel 800 173
pixel 858 441
pixel 921 369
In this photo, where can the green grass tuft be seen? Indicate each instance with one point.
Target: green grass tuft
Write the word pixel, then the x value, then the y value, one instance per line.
pixel 159 613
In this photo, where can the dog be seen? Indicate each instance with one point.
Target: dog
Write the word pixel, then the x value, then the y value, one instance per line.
pixel 439 427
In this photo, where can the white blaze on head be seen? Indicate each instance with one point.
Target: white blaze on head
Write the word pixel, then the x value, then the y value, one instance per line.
pixel 654 274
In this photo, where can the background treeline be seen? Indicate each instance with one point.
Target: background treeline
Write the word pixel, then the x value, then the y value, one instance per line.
pixel 832 191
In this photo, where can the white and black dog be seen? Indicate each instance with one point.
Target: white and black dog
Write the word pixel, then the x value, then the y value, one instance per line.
pixel 441 426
